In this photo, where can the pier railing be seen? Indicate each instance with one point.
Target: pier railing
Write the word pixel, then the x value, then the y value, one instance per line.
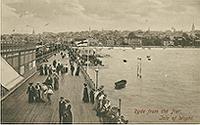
pixel 91 84
pixel 86 76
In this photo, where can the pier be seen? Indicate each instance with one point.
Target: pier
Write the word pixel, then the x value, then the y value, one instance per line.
pixel 100 62
pixel 16 109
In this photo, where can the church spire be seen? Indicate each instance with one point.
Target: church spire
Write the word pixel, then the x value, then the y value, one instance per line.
pixel 193 27
pixel 33 32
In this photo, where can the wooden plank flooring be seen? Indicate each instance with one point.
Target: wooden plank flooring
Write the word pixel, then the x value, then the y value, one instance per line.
pixel 16 109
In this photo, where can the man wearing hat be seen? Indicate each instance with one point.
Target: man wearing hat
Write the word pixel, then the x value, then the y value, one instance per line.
pixel 31 93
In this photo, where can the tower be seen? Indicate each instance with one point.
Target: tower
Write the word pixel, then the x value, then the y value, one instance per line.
pixel 33 32
pixel 89 29
pixel 193 27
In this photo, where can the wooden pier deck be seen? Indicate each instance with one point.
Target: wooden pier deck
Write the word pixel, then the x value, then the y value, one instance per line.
pixel 16 109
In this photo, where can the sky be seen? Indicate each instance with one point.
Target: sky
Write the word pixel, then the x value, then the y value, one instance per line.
pixel 23 16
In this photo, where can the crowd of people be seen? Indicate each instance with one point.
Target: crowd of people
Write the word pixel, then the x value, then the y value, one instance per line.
pixel 38 92
pixel 102 105
pixel 42 92
pixel 57 67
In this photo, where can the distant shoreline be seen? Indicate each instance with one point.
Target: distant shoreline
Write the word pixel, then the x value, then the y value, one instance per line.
pixel 148 47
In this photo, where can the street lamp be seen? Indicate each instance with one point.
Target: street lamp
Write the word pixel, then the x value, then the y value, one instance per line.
pixel 97 71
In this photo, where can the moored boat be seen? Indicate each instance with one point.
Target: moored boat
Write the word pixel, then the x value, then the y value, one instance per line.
pixel 120 84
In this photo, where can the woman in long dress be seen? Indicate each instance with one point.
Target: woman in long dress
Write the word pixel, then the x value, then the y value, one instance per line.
pixel 45 69
pixel 49 93
pixel 49 81
pixel 56 83
pixel 50 69
pixel 31 93
pixel 44 89
pixel 92 96
pixel 41 70
pixel 77 71
pixel 85 94
pixel 54 63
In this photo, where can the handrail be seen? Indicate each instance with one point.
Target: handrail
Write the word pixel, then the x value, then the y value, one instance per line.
pixel 90 83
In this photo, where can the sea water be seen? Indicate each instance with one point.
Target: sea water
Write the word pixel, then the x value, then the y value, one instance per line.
pixel 170 82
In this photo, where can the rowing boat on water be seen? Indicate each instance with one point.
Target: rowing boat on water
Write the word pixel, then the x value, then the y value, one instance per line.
pixel 120 84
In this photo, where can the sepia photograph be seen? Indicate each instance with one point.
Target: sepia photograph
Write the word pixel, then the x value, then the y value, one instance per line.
pixel 100 62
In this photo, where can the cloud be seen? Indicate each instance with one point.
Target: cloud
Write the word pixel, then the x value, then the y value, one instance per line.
pixel 109 14
pixel 44 8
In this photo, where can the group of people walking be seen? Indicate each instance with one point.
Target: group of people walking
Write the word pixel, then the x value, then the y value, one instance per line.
pixel 38 92
pixel 102 105
pixel 33 94
pixel 41 92
pixel 72 67
pixel 57 67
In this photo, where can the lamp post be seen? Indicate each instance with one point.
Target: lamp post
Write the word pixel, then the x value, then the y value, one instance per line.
pixel 97 71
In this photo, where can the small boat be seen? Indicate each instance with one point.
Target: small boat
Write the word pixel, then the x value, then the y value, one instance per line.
pixel 149 59
pixel 120 84
pixel 124 60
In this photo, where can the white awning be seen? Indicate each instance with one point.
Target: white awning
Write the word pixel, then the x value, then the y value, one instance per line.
pixel 9 77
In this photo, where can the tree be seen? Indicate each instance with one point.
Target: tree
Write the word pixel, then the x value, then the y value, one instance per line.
pixel 131 35
pixel 186 40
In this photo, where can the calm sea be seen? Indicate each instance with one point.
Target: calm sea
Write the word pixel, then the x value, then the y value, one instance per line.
pixel 170 82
